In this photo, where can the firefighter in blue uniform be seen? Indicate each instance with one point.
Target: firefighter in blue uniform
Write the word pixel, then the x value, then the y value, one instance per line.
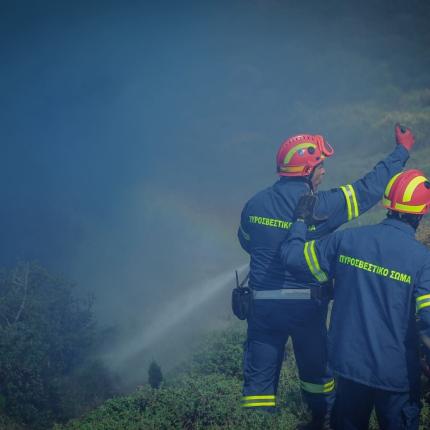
pixel 382 280
pixel 282 305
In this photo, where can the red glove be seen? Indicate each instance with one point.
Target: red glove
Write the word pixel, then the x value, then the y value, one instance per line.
pixel 404 136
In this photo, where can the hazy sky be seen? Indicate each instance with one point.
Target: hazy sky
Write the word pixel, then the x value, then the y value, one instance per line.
pixel 132 132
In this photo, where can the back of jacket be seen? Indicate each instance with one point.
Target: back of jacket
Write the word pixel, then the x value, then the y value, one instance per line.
pixel 267 217
pixel 266 220
pixel 373 338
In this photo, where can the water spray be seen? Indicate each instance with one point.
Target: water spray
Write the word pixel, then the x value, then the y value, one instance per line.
pixel 175 312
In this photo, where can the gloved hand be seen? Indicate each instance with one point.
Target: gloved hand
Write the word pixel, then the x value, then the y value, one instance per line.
pixel 305 208
pixel 404 136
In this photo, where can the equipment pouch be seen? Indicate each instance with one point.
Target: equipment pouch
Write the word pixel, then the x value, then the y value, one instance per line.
pixel 241 302
pixel 323 292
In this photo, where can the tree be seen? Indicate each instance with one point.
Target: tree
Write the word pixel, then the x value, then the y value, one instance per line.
pixel 155 377
pixel 46 339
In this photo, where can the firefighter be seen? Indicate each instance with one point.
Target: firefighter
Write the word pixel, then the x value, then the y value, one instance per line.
pixel 382 280
pixel 282 305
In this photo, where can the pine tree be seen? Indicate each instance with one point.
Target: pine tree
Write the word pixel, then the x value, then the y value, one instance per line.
pixel 155 377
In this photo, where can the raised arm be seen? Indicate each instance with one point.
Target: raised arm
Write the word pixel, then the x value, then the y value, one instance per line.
pixel 347 202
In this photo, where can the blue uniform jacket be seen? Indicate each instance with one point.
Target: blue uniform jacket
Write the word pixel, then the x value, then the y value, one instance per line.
pixel 267 217
pixel 382 278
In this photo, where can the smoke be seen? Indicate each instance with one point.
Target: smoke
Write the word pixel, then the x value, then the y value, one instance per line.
pixel 133 134
pixel 172 314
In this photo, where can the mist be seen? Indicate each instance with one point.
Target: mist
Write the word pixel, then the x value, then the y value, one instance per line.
pixel 133 132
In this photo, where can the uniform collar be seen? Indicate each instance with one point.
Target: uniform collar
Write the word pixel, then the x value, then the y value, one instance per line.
pixel 408 229
pixel 299 182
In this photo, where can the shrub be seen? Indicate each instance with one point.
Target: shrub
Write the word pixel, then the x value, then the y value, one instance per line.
pixel 46 336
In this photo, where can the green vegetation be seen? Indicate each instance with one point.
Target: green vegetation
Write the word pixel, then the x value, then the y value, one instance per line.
pixel 47 337
pixel 49 375
pixel 155 377
pixel 47 372
pixel 205 394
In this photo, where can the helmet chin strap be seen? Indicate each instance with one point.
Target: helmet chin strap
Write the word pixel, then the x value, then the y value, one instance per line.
pixel 309 180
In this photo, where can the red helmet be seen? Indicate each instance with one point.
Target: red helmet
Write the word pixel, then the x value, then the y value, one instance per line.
pixel 408 192
pixel 298 155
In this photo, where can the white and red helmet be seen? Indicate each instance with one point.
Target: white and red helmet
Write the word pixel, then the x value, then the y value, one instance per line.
pixel 298 155
pixel 408 192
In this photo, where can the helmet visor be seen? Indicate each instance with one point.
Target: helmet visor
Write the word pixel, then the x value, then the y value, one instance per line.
pixel 326 148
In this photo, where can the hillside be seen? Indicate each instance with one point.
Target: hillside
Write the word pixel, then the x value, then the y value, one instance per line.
pixel 132 134
pixel 205 394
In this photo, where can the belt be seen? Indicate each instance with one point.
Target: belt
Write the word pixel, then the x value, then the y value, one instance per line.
pixel 283 294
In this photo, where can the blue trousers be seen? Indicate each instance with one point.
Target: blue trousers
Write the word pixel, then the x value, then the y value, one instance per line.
pixel 394 410
pixel 270 325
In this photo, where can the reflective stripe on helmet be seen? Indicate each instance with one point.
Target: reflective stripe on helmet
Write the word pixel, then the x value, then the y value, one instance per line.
pixel 292 168
pixel 300 154
pixel 386 202
pixel 407 196
pixel 390 184
pixel 292 151
pixel 312 261
pixel 408 192
pixel 351 201
pixel 409 208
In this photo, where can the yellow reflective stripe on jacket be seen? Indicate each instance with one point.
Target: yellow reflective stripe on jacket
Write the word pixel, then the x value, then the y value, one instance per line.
pixel 351 201
pixel 354 199
pixel 423 305
pixel 312 261
pixel 328 387
pixel 423 301
pixel 256 401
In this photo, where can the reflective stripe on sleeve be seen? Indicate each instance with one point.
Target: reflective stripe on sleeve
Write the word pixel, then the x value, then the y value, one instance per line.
pixel 423 301
pixel 245 235
pixel 312 261
pixel 328 387
pixel 256 401
pixel 351 201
